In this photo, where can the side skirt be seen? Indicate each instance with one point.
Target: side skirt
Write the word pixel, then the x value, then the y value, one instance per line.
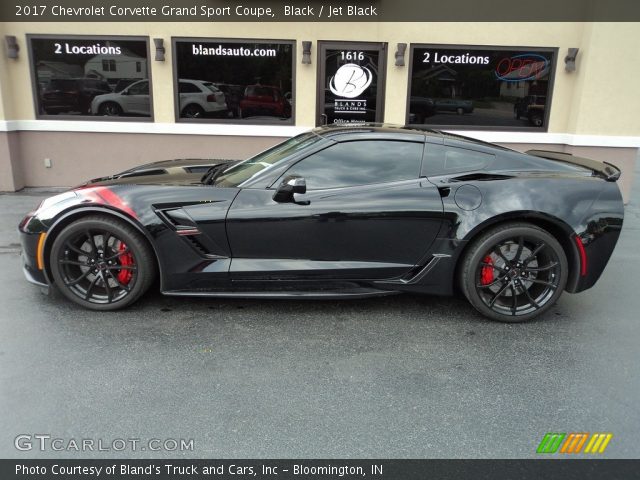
pixel 300 295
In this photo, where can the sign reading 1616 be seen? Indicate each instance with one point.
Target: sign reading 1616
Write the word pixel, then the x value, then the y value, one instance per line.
pixel 350 56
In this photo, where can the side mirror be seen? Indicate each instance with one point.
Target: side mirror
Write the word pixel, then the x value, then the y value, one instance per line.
pixel 289 186
pixel 124 92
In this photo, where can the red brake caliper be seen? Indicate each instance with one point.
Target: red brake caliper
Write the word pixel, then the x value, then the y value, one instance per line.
pixel 486 274
pixel 126 259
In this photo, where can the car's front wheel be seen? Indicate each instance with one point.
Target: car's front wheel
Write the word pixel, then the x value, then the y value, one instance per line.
pixel 102 263
pixel 514 272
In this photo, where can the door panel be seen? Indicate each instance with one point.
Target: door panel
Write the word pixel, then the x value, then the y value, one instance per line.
pixel 365 232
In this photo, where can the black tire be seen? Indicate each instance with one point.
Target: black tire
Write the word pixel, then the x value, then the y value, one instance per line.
pixel 110 109
pixel 514 286
pixel 537 120
pixel 80 263
pixel 192 111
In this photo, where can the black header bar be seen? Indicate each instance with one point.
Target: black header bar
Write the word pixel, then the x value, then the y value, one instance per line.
pixel 320 11
pixel 319 469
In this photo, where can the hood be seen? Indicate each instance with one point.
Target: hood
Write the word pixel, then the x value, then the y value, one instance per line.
pixel 184 171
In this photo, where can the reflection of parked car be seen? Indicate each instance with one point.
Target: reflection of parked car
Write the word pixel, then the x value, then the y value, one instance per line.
pixel 198 98
pixel 535 114
pixel 421 108
pixel 264 100
pixel 454 105
pixel 521 107
pixel 133 100
pixel 71 94
pixel 232 94
pixel 124 83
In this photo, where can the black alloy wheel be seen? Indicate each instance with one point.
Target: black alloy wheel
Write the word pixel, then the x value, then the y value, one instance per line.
pixel 101 263
pixel 514 272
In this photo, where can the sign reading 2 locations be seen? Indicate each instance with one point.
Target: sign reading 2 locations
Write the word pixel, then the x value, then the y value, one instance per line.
pixel 480 86
pixel 351 85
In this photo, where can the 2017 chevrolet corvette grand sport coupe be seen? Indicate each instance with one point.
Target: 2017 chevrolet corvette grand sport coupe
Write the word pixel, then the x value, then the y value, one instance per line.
pixel 337 212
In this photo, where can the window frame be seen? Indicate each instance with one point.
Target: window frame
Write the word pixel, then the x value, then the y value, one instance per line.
pixel 507 48
pixel 87 118
pixel 224 121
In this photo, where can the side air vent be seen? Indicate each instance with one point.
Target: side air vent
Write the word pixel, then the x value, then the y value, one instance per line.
pixel 178 220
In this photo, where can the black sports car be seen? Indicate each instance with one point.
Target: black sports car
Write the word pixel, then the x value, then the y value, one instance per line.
pixel 337 212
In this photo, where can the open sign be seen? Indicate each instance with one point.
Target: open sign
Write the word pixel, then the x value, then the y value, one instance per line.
pixel 517 68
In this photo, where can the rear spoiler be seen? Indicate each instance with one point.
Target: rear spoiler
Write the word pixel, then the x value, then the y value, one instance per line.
pixel 609 172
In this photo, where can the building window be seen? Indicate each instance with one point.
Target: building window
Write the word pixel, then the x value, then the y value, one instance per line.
pixel 108 65
pixel 481 87
pixel 89 77
pixel 234 81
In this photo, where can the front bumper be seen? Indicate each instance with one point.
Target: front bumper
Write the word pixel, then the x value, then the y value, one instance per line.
pixel 33 274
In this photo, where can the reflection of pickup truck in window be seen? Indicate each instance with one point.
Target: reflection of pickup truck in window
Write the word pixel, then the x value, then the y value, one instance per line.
pixel 532 108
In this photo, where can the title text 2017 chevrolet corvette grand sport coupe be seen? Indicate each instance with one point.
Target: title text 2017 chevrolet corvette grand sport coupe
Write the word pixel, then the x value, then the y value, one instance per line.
pixel 337 212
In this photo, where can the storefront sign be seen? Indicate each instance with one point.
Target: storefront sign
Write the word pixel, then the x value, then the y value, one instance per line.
pixel 492 87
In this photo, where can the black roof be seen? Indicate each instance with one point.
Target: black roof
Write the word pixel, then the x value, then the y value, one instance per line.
pixel 390 130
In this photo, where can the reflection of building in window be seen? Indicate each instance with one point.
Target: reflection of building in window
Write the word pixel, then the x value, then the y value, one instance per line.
pixel 440 81
pixel 108 65
pixel 47 70
pixel 126 65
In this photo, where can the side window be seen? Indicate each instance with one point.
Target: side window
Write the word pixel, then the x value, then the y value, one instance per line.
pixel 360 163
pixel 141 88
pixel 441 160
pixel 186 87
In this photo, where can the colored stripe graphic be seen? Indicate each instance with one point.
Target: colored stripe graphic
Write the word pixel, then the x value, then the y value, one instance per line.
pixel 573 442
pixel 550 442
pixel 598 443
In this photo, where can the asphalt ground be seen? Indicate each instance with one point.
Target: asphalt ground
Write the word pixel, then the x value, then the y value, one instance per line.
pixel 393 377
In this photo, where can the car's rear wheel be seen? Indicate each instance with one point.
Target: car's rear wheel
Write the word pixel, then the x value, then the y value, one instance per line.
pixel 101 263
pixel 514 272
pixel 110 109
pixel 193 111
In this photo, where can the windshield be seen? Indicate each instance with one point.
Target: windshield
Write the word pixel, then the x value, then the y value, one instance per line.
pixel 241 172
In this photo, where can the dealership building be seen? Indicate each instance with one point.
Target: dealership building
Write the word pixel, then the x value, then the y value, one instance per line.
pixel 83 100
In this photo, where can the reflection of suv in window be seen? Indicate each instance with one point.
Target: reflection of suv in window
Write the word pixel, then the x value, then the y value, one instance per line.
pixel 133 100
pixel 521 107
pixel 71 94
pixel 198 98
pixel 264 100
